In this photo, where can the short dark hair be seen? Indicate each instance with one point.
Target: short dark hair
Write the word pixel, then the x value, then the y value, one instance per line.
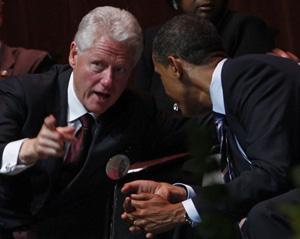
pixel 189 37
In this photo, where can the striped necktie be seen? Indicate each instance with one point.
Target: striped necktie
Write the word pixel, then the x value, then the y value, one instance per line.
pixel 226 164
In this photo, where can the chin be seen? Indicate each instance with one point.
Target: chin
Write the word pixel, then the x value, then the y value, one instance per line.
pixel 96 109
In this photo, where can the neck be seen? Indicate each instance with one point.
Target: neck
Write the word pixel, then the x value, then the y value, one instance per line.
pixel 201 75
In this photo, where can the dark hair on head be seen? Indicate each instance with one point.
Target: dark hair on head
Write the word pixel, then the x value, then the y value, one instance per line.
pixel 189 37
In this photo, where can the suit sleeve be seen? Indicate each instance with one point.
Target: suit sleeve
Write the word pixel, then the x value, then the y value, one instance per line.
pixel 12 111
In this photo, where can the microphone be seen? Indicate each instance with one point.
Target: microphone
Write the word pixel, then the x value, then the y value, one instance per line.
pixel 117 166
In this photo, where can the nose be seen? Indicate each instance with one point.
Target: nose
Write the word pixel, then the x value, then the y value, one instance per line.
pixel 107 78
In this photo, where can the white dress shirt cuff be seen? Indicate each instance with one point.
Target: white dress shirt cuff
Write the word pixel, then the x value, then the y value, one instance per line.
pixel 189 190
pixel 189 205
pixel 10 158
pixel 191 211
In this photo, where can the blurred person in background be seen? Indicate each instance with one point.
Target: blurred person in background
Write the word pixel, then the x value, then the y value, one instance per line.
pixel 15 61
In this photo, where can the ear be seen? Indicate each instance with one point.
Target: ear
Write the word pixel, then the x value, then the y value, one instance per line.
pixel 176 65
pixel 73 54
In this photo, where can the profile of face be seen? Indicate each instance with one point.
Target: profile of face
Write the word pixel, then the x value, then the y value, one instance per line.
pixel 210 9
pixel 101 73
pixel 190 100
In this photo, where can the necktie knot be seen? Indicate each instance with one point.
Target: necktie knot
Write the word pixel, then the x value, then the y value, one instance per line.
pixel 87 121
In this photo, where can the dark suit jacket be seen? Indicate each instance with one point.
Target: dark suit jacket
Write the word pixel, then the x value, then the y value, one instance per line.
pixel 19 61
pixel 241 34
pixel 132 127
pixel 262 104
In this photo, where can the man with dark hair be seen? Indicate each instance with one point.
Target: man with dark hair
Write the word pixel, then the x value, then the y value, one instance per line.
pixel 241 34
pixel 255 99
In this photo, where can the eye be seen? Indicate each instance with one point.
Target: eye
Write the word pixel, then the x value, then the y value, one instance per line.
pixel 97 66
pixel 121 70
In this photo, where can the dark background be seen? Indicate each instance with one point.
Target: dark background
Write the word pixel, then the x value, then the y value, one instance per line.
pixel 50 25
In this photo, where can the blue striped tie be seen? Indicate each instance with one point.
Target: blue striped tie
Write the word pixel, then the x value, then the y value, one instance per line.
pixel 227 169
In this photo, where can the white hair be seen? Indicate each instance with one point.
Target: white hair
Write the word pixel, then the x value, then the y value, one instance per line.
pixel 117 24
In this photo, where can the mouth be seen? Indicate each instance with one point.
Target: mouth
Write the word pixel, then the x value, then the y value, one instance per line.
pixel 102 96
pixel 205 8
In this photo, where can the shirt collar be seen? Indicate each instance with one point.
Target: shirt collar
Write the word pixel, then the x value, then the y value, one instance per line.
pixel 75 107
pixel 216 89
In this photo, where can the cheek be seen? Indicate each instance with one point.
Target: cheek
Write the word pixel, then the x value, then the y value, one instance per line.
pixel 187 6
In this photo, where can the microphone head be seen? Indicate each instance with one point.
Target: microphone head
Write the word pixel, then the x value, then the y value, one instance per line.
pixel 117 166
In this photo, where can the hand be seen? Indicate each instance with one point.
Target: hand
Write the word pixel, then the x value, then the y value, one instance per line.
pixel 285 54
pixel 153 214
pixel 165 190
pixel 3 73
pixel 49 142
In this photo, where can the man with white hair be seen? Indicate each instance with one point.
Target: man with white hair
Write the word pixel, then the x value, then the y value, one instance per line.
pixel 59 129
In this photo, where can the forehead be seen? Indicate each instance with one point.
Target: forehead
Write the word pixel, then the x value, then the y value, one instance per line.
pixel 108 48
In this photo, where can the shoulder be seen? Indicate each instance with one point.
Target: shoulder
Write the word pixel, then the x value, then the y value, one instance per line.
pixel 242 66
pixel 27 60
pixel 29 53
pixel 249 73
pixel 36 83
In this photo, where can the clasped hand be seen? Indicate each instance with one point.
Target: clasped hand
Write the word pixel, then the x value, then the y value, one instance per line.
pixel 153 207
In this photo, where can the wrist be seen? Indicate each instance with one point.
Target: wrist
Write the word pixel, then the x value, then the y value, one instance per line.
pixel 26 154
pixel 180 214
pixel 188 220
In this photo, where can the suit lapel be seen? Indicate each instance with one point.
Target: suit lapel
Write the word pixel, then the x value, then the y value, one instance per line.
pixel 62 104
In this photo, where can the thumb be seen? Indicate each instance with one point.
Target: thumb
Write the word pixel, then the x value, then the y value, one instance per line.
pixel 131 187
pixel 49 122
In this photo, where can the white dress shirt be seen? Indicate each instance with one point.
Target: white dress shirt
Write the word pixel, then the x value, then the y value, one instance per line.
pixel 10 155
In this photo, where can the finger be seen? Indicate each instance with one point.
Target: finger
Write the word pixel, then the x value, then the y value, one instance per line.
pixel 279 52
pixel 44 152
pixel 50 122
pixel 4 73
pixel 139 223
pixel 67 133
pixel 127 206
pixel 131 187
pixel 292 56
pixel 149 235
pixel 124 216
pixel 56 145
pixel 127 218
pixel 137 186
pixel 141 197
pixel 135 229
